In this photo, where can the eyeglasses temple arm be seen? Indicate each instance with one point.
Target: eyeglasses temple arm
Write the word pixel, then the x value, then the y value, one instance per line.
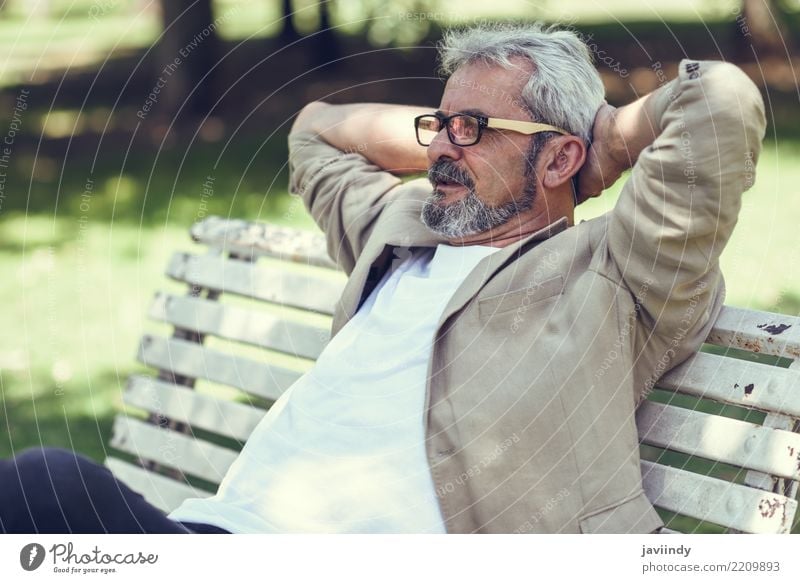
pixel 523 127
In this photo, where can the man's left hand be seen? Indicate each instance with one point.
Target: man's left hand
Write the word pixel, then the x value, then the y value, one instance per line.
pixel 602 167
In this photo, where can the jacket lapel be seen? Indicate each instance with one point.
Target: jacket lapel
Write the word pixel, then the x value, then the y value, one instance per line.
pixel 403 228
pixel 489 265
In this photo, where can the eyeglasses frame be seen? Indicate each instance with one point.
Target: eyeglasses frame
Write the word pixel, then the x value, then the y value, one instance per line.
pixel 521 127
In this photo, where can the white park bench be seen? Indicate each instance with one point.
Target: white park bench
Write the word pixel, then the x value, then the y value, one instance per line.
pixel 720 440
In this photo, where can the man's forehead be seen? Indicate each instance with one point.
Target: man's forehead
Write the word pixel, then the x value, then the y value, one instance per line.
pixel 488 89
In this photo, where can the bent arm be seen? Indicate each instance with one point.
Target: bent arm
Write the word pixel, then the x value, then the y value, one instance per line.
pixel 698 140
pixel 619 136
pixel 344 162
pixel 382 133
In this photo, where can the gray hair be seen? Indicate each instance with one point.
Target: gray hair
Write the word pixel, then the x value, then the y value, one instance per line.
pixel 564 90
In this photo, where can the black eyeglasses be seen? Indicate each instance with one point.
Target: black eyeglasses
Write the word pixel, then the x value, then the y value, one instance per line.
pixel 466 130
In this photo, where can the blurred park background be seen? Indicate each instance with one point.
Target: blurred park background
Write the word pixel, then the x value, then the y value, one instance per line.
pixel 115 113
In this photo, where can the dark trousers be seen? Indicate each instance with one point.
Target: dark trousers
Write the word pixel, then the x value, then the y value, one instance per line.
pixel 48 490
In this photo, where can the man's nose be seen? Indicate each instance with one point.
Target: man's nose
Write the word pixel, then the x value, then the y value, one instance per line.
pixel 441 146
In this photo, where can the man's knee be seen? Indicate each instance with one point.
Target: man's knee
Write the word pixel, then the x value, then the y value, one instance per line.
pixel 53 471
pixel 26 493
pixel 50 490
pixel 40 459
pixel 47 465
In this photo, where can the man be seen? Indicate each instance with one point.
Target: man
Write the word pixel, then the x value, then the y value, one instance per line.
pixel 488 354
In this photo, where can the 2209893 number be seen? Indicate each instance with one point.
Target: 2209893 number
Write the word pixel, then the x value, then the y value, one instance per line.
pixel 774 566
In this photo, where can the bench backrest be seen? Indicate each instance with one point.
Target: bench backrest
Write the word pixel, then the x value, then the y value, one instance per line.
pixel 720 440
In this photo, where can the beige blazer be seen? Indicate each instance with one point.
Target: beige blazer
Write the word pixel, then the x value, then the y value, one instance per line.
pixel 543 352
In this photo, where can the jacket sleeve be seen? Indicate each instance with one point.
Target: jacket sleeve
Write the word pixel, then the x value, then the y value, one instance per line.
pixel 678 210
pixel 343 191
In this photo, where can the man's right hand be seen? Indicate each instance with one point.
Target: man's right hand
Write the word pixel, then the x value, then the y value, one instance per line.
pixel 384 134
pixel 602 167
pixel 619 136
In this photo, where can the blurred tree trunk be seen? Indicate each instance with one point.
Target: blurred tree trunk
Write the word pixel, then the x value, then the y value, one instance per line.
pixel 289 32
pixel 323 46
pixel 326 49
pixel 761 25
pixel 186 52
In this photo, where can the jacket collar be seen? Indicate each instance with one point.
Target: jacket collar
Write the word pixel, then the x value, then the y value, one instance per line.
pixel 491 264
pixel 403 228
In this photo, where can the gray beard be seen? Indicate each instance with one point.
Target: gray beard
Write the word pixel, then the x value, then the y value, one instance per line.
pixel 470 215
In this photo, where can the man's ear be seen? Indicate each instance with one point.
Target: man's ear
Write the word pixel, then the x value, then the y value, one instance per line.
pixel 562 158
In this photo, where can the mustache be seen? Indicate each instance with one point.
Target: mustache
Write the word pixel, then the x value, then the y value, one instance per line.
pixel 448 172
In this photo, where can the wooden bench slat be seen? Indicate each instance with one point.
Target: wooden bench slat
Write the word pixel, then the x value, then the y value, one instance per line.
pixel 725 503
pixel 160 491
pixel 261 282
pixel 757 331
pixel 260 239
pixel 718 438
pixel 234 323
pixel 227 418
pixel 196 361
pixel 738 382
pixel 184 452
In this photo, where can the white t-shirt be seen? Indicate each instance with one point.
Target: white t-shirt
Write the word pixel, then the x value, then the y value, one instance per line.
pixel 343 449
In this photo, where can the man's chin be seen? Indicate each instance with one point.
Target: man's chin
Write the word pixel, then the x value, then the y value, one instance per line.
pixel 445 196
